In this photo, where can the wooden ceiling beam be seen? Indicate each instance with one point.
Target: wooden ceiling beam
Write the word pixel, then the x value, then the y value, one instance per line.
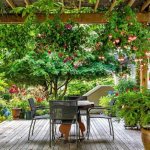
pixel 96 5
pixel 113 4
pixel 80 2
pixel 27 2
pixel 10 3
pixel 63 6
pixel 131 2
pixel 95 18
pixel 146 4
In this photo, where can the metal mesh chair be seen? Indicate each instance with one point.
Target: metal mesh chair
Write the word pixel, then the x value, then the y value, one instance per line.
pixel 80 98
pixel 34 116
pixel 98 112
pixel 63 113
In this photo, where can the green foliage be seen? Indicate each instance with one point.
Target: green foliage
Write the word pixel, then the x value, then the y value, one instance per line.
pixel 134 107
pixel 123 37
pixel 3 84
pixel 105 101
pixel 79 87
pixel 82 86
pixel 40 6
pixel 126 85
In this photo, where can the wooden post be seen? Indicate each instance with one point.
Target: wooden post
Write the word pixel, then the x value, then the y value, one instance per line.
pixel 143 78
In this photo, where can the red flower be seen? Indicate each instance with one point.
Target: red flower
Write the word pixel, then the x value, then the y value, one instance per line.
pixel 65 46
pixel 14 89
pixel 117 94
pixel 75 54
pixel 49 51
pixel 68 26
pixel 39 99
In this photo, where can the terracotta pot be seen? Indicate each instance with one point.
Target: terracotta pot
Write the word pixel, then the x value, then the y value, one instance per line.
pixel 146 138
pixel 16 113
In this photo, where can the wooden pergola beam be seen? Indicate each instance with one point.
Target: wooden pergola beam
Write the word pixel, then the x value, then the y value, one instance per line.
pixel 145 5
pixel 87 18
pixel 63 7
pixel 80 2
pixel 96 5
pixel 10 3
pixel 131 2
pixel 27 2
pixel 113 4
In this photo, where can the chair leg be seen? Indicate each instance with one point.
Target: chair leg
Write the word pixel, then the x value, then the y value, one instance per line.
pixel 77 134
pixel 112 129
pixel 50 133
pixel 30 130
pixel 88 129
pixel 33 126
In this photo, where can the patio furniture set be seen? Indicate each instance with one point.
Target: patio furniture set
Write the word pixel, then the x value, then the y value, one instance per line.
pixel 67 114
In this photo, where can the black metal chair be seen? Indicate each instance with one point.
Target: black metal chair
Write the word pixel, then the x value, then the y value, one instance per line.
pixel 63 113
pixel 79 98
pixel 34 116
pixel 98 112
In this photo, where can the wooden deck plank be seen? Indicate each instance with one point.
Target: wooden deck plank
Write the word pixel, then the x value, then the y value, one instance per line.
pixel 13 136
pixel 10 133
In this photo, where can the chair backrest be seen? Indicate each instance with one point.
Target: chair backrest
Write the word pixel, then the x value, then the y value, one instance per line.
pixel 63 110
pixel 32 104
pixel 32 107
pixel 80 98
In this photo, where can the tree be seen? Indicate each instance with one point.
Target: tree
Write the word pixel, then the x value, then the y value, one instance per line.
pixel 51 54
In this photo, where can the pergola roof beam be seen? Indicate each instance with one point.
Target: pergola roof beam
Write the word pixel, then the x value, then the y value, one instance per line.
pixel 10 3
pixel 96 5
pixel 81 18
pixel 27 2
pixel 113 5
pixel 146 4
pixel 63 7
pixel 131 2
pixel 80 1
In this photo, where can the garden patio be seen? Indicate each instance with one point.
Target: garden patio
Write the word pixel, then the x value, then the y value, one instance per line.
pixel 82 64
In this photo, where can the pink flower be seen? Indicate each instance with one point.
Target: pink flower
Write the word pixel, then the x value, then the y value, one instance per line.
pixel 110 36
pixel 68 26
pixel 76 66
pixel 131 38
pixel 135 48
pixel 60 54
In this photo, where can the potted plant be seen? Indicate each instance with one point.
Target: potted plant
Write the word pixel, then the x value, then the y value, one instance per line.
pixel 15 104
pixel 134 108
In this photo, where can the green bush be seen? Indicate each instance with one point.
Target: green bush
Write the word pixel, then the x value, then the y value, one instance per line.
pixel 127 85
pixel 80 87
pixel 134 107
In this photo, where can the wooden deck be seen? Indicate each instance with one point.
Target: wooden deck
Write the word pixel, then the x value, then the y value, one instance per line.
pixel 13 136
